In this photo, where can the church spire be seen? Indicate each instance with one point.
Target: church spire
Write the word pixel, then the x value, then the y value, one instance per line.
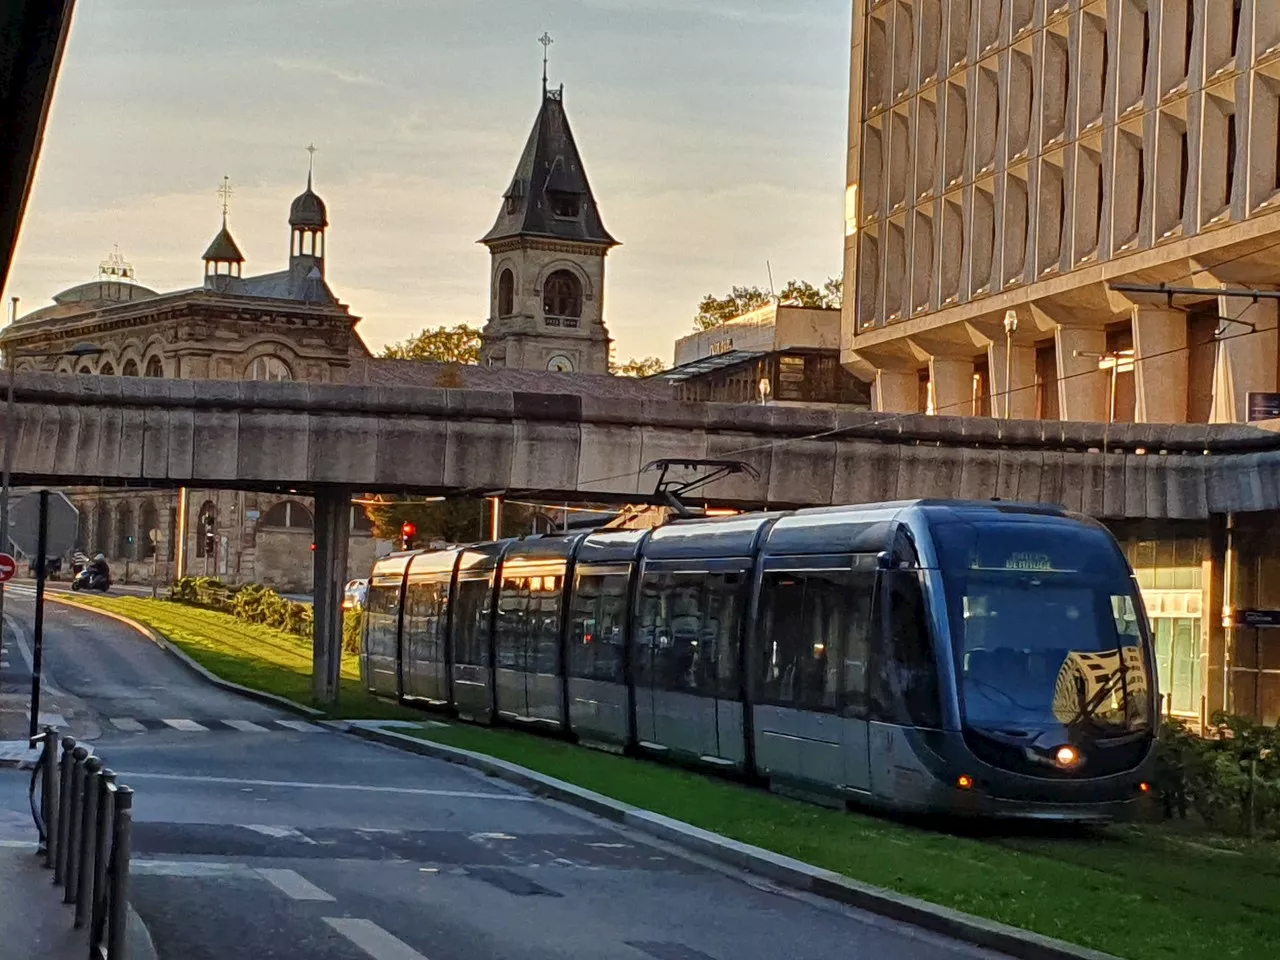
pixel 546 42
pixel 223 259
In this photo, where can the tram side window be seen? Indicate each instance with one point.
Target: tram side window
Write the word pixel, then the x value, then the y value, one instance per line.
pixel 424 620
pixel 596 627
pixel 687 632
pixel 381 614
pixel 814 624
pixel 904 685
pixel 528 630
pixel 471 623
pixel 512 626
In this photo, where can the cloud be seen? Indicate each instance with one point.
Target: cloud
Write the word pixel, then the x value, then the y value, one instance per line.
pixel 333 73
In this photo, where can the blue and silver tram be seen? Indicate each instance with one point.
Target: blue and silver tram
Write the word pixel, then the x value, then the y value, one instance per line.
pixel 983 658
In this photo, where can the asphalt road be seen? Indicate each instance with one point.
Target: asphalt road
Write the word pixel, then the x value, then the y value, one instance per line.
pixel 262 836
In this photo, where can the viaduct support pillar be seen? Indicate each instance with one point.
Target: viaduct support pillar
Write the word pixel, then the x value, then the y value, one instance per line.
pixel 332 530
pixel 1160 349
pixel 896 391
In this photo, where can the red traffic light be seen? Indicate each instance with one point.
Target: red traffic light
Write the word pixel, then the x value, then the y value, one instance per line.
pixel 408 529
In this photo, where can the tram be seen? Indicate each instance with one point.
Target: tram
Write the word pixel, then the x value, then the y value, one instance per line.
pixel 987 659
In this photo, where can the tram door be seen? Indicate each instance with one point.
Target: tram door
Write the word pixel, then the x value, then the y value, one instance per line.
pixel 685 660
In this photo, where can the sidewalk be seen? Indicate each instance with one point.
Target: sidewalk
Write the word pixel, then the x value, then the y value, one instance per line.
pixel 34 922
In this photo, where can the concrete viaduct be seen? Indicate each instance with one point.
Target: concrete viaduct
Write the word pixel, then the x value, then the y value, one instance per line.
pixel 333 441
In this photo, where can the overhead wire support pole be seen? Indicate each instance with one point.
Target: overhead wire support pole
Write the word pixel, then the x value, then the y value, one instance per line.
pixel 1160 289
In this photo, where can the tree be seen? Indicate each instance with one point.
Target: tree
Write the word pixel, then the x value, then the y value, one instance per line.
pixel 460 344
pixel 638 368
pixel 454 520
pixel 714 311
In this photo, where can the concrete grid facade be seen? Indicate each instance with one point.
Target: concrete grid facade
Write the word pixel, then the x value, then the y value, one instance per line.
pixel 1022 155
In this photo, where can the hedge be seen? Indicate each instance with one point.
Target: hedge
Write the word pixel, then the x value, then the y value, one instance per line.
pixel 255 603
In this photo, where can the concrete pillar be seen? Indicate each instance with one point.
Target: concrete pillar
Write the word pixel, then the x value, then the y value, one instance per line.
pixel 951 385
pixel 1160 370
pixel 1246 359
pixel 895 391
pixel 1022 376
pixel 332 530
pixel 1084 391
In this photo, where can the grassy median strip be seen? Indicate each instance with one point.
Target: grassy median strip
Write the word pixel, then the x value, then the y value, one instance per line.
pixel 1136 892
pixel 249 654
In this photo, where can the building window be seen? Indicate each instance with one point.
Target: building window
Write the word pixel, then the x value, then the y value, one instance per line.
pixel 107 370
pixel 124 532
pixel 1047 382
pixel 360 522
pixel 270 368
pixel 130 368
pixel 506 293
pixel 288 515
pixel 206 529
pixel 560 364
pixel 154 368
pixel 562 295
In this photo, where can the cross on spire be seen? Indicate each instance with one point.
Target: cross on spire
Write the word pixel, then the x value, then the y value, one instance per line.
pixel 311 164
pixel 546 42
pixel 225 193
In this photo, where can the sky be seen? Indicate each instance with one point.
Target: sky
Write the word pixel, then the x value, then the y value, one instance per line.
pixel 713 133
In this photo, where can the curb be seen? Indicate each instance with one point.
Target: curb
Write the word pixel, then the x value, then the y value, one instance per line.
pixel 786 871
pixel 164 643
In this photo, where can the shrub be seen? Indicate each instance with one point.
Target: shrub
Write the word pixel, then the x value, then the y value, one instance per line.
pixel 253 603
pixel 352 631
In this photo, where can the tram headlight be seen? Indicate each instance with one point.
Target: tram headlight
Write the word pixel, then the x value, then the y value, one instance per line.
pixel 1066 756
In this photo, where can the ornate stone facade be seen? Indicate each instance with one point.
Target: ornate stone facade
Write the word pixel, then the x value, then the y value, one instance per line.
pixel 279 326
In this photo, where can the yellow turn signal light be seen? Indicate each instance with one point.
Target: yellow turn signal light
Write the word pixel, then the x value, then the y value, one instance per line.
pixel 1144 787
pixel 964 782
pixel 1067 756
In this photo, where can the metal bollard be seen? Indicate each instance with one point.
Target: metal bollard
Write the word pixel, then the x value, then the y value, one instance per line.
pixel 88 840
pixel 64 803
pixel 49 791
pixel 106 786
pixel 118 904
pixel 74 812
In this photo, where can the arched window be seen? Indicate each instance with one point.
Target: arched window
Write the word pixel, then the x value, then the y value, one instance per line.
pixel 101 528
pixel 130 369
pixel 506 294
pixel 148 520
pixel 124 532
pixel 154 368
pixel 562 295
pixel 270 368
pixel 289 515
pixel 85 368
pixel 206 527
pixel 107 370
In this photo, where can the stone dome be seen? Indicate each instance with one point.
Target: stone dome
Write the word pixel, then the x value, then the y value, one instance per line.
pixel 308 210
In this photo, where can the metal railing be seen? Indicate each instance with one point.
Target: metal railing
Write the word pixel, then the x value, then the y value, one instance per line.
pixel 85 822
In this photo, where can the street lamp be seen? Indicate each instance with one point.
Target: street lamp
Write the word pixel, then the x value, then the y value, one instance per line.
pixel 1010 328
pixel 10 355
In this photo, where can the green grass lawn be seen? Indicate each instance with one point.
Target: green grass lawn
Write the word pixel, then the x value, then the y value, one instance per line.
pixel 1136 892
pixel 253 656
pixel 1142 893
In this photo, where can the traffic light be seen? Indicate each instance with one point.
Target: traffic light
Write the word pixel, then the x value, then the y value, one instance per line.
pixel 408 530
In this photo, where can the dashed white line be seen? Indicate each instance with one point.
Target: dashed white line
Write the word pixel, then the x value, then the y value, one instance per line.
pixel 305 785
pixel 302 726
pixel 248 726
pixel 189 726
pixel 373 940
pixel 128 725
pixel 293 884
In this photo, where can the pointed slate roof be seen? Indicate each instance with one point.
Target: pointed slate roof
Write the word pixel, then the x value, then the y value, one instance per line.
pixel 224 249
pixel 550 165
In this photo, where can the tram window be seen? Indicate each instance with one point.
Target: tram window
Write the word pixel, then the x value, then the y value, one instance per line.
pixel 424 619
pixel 512 625
pixel 528 628
pixel 471 623
pixel 596 627
pixel 381 614
pixel 814 623
pixel 905 681
pixel 687 632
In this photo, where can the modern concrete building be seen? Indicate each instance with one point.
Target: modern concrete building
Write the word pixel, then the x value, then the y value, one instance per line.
pixel 1010 160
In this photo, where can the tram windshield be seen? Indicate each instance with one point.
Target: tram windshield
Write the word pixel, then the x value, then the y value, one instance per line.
pixel 1046 630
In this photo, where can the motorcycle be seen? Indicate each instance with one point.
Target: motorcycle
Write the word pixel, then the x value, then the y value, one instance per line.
pixel 91 580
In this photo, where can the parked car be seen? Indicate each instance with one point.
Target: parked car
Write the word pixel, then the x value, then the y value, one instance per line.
pixel 354 596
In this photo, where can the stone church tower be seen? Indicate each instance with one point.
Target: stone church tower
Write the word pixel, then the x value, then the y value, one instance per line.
pixel 548 246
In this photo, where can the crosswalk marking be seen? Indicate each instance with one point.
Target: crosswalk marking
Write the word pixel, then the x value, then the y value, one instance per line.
pixel 302 726
pixel 293 884
pixel 190 726
pixel 372 939
pixel 245 726
pixel 127 724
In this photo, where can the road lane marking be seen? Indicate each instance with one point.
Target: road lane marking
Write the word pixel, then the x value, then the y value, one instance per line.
pixel 373 940
pixel 306 785
pixel 189 726
pixel 19 636
pixel 245 726
pixel 293 884
pixel 128 725
pixel 302 726
pixel 278 833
